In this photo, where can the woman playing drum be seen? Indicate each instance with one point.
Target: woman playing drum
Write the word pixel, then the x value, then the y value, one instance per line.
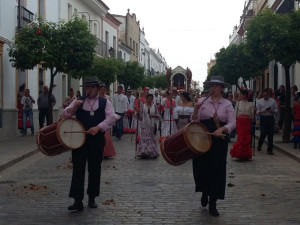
pixel 209 169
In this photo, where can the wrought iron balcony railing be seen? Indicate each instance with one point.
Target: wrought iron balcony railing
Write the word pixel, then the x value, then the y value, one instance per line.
pixel 24 16
pixel 101 48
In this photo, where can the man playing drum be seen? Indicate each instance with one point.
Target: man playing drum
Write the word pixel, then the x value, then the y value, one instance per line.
pixel 97 115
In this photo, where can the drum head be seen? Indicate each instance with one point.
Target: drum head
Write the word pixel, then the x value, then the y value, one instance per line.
pixel 196 137
pixel 70 132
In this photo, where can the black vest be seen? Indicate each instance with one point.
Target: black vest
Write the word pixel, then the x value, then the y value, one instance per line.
pixel 89 121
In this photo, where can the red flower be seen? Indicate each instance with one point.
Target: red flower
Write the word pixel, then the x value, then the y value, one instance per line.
pixel 160 139
pixel 237 54
pixel 38 31
pixel 160 108
pixel 71 49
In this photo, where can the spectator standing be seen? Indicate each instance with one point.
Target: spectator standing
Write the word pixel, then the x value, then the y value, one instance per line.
pixel 78 95
pixel 20 107
pixel 296 128
pixel 69 99
pixel 266 108
pixel 120 104
pixel 281 97
pixel 43 106
pixel 27 102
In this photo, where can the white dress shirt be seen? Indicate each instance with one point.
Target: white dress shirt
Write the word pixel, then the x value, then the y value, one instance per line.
pixel 120 103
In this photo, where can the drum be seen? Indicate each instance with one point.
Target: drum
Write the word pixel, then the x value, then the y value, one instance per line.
pixel 187 143
pixel 61 136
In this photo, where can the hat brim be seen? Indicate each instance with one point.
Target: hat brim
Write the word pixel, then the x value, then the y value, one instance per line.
pixel 215 82
pixel 91 83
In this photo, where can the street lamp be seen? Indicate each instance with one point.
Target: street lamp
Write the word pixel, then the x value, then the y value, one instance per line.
pixel 111 52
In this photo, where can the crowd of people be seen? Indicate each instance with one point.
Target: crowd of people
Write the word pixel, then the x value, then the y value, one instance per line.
pixel 152 115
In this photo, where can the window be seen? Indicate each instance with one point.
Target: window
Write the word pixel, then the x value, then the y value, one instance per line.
pixel 137 49
pixel 107 37
pixel 95 29
pixel 70 11
pixel 75 11
pixel 133 47
pixel 42 10
pixel 130 43
pixel 114 42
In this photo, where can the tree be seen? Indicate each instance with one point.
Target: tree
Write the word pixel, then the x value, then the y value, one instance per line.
pixel 276 37
pixel 148 81
pixel 104 68
pixel 60 47
pixel 132 75
pixel 160 81
pixel 234 63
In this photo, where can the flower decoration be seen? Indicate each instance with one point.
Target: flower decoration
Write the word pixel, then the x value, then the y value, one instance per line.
pixel 38 31
pixel 160 108
pixel 161 139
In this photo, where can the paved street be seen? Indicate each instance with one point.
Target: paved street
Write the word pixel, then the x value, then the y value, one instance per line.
pixel 265 190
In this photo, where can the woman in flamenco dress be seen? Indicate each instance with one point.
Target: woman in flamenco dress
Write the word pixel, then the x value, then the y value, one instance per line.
pixel 244 111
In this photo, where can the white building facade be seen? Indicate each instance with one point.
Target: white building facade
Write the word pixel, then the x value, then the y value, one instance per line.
pixel 101 24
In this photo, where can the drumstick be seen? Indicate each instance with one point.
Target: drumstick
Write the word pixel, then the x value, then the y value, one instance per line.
pixel 85 131
pixel 202 132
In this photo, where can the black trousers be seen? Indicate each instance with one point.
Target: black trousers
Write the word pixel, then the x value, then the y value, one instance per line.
pixel 266 129
pixel 42 114
pixel 91 152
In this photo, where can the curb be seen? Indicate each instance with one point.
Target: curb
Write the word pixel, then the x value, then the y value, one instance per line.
pixel 281 150
pixel 18 159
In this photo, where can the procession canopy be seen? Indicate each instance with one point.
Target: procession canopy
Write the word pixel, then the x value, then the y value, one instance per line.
pixel 179 78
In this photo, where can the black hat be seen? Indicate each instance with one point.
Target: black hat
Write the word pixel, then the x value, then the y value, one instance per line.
pixel 90 81
pixel 216 80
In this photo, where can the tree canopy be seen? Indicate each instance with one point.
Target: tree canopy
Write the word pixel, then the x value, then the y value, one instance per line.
pixel 131 76
pixel 59 47
pixel 273 36
pixel 233 63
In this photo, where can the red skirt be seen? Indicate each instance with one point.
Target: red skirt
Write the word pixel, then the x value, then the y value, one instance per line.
pixel 242 148
pixel 109 149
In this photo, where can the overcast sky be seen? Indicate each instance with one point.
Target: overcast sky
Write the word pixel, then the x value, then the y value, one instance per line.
pixel 188 33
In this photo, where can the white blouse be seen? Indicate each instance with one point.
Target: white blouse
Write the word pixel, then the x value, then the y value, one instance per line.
pixel 183 110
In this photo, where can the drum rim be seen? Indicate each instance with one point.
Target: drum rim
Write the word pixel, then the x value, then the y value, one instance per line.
pixel 37 141
pixel 162 150
pixel 187 141
pixel 60 139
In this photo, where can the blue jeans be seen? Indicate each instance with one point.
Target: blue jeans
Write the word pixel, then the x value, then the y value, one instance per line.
pixel 119 125
pixel 27 114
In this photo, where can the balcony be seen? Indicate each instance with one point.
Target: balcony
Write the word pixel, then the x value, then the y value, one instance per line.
pixel 101 48
pixel 24 16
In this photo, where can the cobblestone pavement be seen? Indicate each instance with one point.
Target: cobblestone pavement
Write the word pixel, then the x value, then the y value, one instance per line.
pixel 265 190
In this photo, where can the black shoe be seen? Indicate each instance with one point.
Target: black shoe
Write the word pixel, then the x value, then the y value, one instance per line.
pixel 78 206
pixel 92 203
pixel 212 209
pixel 204 200
pixel 259 148
pixel 270 153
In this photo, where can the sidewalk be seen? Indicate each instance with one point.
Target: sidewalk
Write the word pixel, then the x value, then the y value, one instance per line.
pixel 13 150
pixel 284 148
